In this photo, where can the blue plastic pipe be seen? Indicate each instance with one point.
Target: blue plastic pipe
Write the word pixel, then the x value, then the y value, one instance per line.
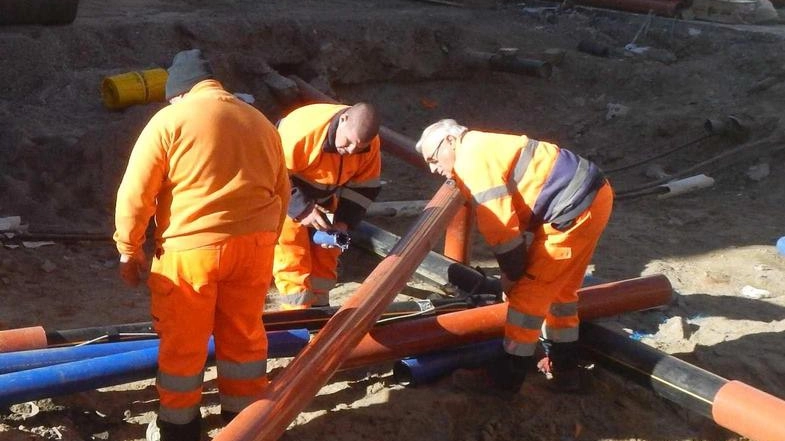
pixel 109 370
pixel 24 360
pixel 426 368
pixel 414 371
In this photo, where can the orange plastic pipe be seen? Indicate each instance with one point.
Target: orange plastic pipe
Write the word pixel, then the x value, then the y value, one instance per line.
pixel 458 239
pixel 412 337
pixel 750 412
pixel 300 381
pixel 23 339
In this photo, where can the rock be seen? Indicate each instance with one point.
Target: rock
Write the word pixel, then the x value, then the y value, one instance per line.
pixel 616 110
pixel 48 266
pixel 672 329
pixel 758 172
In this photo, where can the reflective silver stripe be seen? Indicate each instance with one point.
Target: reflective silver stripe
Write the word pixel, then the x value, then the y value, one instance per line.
pixel 564 309
pixel 508 246
pixel 179 383
pixel 248 370
pixel 370 183
pixel 566 195
pixel 234 403
pixel 300 298
pixel 490 194
pixel 355 197
pixel 518 348
pixel 521 320
pixel 322 284
pixel 314 184
pixel 180 415
pixel 560 335
pixel 523 161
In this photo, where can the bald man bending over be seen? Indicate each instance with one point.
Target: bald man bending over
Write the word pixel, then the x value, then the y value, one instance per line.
pixel 334 160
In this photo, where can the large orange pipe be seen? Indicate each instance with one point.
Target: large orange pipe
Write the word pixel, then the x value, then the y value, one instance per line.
pixel 22 339
pixel 300 381
pixel 412 337
pixel 457 240
pixel 734 405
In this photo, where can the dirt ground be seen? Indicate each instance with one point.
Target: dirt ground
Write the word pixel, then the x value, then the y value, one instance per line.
pixel 62 155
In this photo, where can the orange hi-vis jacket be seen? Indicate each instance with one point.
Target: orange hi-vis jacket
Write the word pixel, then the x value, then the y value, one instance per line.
pixel 317 171
pixel 517 184
pixel 198 167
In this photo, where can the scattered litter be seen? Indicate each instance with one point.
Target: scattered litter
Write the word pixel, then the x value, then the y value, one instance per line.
pixel 694 32
pixel 615 110
pixel 102 435
pixel 751 292
pixel 25 410
pixel 781 245
pixel 10 223
pixel 37 244
pixel 635 49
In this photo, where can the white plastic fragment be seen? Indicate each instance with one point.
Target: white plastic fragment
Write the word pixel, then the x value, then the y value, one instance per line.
pixel 751 292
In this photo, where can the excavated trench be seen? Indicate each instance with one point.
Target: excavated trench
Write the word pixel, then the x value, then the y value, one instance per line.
pixel 63 154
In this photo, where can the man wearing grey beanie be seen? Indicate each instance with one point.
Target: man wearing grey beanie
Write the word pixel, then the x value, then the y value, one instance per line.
pixel 210 167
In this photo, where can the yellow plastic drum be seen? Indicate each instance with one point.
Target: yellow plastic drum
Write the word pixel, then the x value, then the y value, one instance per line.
pixel 123 90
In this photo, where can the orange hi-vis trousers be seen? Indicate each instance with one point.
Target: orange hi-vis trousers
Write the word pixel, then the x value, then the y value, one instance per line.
pixel 547 292
pixel 304 271
pixel 217 289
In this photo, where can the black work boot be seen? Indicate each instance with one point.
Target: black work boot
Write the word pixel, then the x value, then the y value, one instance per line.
pixel 175 432
pixel 509 371
pixel 560 366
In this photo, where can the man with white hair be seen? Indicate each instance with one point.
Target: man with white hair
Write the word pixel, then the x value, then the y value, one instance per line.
pixel 519 184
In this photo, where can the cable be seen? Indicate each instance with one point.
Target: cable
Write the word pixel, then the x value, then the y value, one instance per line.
pixel 660 155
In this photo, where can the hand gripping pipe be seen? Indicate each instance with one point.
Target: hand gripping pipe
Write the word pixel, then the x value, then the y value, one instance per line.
pixel 396 341
pixel 733 405
pixel 457 240
pixel 92 373
pixel 300 381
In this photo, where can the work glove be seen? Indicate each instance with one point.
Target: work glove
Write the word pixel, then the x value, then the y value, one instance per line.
pixel 132 267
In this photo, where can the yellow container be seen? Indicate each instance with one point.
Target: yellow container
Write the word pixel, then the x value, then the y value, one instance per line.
pixel 123 90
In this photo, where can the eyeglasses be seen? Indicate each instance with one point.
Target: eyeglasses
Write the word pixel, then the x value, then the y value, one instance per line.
pixel 432 159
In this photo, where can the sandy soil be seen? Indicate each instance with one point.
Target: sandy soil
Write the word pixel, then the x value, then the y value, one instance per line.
pixel 62 155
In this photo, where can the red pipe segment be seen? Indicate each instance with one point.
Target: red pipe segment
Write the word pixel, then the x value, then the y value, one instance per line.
pixel 458 239
pixel 404 339
pixel 300 381
pixel 749 412
pixel 23 339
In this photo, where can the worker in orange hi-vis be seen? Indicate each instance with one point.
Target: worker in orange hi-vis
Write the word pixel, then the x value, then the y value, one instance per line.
pixel 518 185
pixel 334 161
pixel 211 169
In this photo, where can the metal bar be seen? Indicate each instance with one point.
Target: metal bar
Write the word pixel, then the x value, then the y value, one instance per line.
pixel 300 381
